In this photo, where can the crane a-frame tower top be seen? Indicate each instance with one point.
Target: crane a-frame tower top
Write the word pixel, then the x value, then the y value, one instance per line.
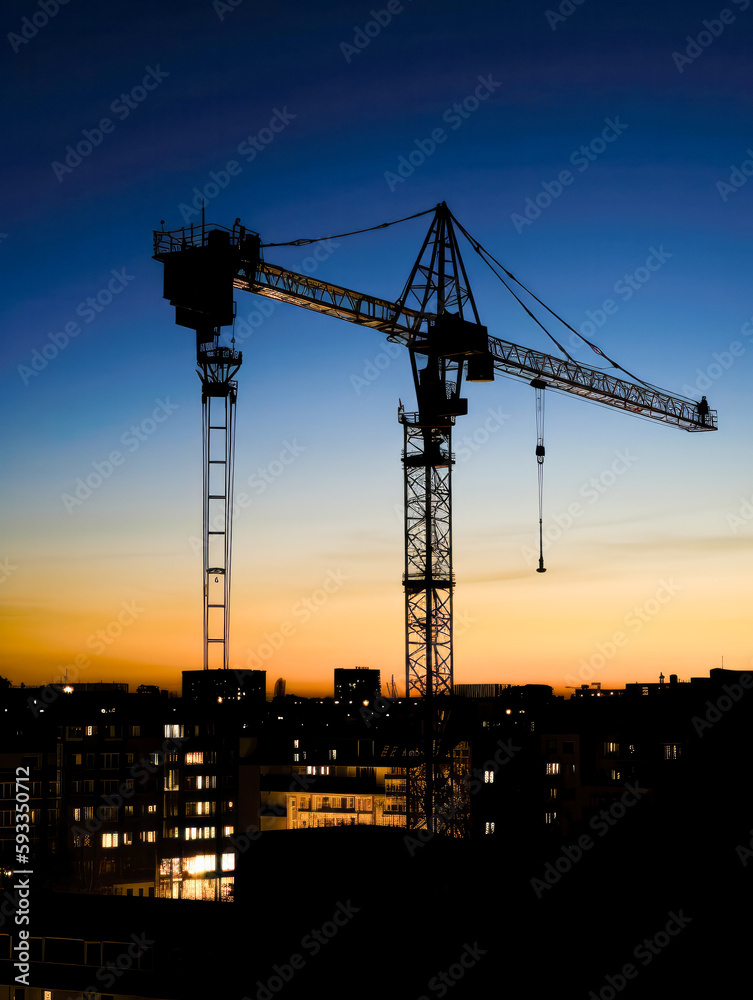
pixel 436 319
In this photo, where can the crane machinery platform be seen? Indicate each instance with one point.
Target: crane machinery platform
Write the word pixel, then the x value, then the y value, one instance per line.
pixel 436 319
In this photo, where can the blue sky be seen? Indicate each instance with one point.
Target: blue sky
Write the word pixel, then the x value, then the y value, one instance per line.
pixel 182 90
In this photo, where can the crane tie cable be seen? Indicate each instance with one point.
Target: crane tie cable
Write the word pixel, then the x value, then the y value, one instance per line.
pixel 304 241
pixel 483 253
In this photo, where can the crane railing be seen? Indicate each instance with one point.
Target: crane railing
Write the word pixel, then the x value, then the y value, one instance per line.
pixel 568 376
pixel 275 282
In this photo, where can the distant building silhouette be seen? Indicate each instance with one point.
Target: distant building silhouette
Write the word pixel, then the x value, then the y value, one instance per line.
pixel 206 686
pixel 357 684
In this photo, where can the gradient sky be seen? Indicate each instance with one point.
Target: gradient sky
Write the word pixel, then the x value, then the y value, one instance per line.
pixel 653 572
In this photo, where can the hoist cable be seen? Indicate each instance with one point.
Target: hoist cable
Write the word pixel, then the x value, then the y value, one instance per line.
pixel 540 467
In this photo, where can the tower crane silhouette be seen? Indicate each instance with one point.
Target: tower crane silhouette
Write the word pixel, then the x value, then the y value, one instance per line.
pixel 436 319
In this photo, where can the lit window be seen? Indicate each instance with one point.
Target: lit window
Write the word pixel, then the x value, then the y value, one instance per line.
pixel 109 839
pixel 488 777
pixel 148 836
pixel 195 757
pixel 672 751
pixel 296 757
pixel 611 748
pixel 227 831
pixel 644 690
pixel 295 744
pixel 174 732
pixel 550 817
pixel 333 755
pixel 553 793
pixel 151 809
pixel 200 832
pixel 200 864
pixel 127 838
pixel 91 730
pixel 553 767
pixel 489 827
pixel 76 816
pixel 228 862
pixel 199 808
